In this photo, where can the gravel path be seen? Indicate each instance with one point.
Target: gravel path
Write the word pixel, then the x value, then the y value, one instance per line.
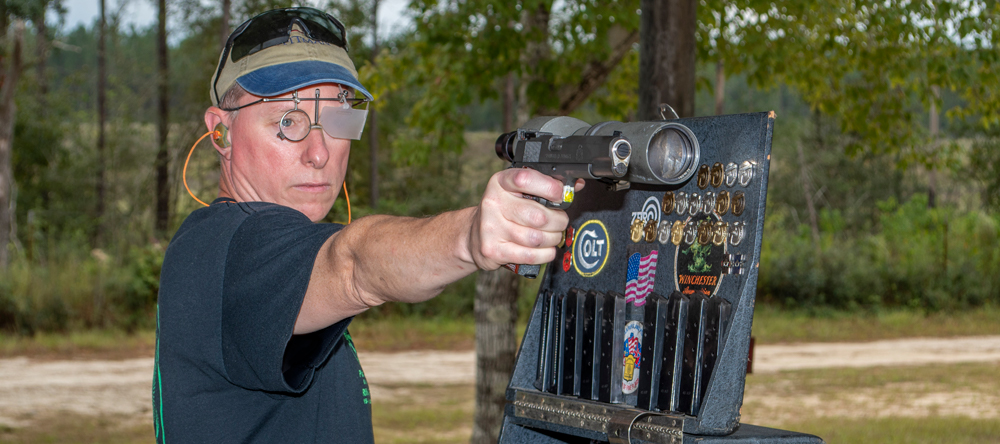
pixel 29 387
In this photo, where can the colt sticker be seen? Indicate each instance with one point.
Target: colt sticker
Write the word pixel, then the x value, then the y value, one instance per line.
pixel 633 356
pixel 590 248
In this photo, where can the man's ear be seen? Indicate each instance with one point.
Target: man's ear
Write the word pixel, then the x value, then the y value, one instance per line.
pixel 215 121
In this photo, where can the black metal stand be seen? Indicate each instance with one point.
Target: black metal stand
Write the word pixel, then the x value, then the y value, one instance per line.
pixel 641 329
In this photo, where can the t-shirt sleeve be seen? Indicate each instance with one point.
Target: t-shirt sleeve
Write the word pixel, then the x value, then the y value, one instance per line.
pixel 268 267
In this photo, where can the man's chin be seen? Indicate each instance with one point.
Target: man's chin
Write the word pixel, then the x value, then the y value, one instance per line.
pixel 315 212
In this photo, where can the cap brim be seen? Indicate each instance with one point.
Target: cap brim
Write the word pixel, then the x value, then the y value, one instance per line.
pixel 280 79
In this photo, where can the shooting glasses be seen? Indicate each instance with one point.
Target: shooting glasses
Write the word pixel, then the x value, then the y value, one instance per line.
pixel 274 28
pixel 339 121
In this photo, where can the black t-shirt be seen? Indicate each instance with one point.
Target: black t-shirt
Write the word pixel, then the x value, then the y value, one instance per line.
pixel 227 366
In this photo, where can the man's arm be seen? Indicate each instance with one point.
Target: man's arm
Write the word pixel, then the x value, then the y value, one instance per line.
pixel 377 259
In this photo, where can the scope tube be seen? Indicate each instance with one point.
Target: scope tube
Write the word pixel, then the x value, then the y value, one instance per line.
pixel 662 152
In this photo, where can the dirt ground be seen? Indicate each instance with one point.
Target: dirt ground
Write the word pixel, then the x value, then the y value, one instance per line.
pixel 30 388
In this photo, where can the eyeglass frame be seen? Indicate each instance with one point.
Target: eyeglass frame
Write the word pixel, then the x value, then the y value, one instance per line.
pixel 313 121
pixel 227 50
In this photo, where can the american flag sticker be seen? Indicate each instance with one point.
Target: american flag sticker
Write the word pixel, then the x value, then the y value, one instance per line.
pixel 641 274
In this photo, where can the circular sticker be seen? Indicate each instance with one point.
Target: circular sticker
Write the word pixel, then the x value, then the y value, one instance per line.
pixel 633 356
pixel 590 248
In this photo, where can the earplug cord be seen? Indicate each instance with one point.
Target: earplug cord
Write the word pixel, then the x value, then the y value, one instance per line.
pixel 217 135
pixel 184 172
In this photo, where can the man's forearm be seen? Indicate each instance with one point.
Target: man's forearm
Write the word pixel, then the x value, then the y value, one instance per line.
pixel 407 259
pixel 377 259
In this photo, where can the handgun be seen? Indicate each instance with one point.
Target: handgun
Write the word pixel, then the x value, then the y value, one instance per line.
pixel 614 153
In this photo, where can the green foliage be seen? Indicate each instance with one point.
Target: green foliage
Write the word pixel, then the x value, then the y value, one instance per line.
pixel 984 165
pixel 872 65
pixel 918 257
pixel 75 290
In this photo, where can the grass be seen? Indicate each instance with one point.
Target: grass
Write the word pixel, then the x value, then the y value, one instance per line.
pixel 869 400
pixel 104 344
pixel 412 333
pixel 954 430
pixel 771 325
pixel 422 413
pixel 82 429
pixel 881 404
pixel 399 334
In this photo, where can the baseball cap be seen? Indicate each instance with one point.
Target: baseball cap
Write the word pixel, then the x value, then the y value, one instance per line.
pixel 283 50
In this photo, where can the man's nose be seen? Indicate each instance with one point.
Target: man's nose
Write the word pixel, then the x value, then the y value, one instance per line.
pixel 317 152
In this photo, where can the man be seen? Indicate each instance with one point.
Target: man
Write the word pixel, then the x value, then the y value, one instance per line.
pixel 255 297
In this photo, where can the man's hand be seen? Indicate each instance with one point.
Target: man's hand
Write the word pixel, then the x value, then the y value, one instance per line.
pixel 507 228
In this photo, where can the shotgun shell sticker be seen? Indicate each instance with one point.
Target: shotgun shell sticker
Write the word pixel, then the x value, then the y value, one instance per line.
pixel 717 174
pixel 668 203
pixel 636 230
pixel 746 172
pixel 663 232
pixel 722 203
pixel 703 177
pixel 590 248
pixel 677 232
pixel 739 203
pixel 633 356
pixel 650 230
pixel 681 203
pixel 732 173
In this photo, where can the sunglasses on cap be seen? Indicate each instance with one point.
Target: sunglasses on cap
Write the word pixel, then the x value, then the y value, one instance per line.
pixel 272 28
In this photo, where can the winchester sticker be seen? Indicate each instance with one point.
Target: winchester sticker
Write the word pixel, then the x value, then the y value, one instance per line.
pixel 698 265
pixel 590 248
pixel 633 356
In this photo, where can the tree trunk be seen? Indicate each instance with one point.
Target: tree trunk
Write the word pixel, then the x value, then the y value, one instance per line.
pixel 720 88
pixel 536 28
pixel 496 291
pixel 373 119
pixel 508 103
pixel 227 6
pixel 496 349
pixel 41 55
pixel 667 57
pixel 935 127
pixel 163 126
pixel 102 74
pixel 10 71
pixel 810 205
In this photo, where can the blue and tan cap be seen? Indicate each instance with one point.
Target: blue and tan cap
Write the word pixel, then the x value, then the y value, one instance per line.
pixel 277 70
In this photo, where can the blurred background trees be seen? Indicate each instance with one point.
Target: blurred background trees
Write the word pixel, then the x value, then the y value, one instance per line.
pixel 884 179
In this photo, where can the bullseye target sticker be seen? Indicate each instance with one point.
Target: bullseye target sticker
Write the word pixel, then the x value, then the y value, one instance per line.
pixel 590 248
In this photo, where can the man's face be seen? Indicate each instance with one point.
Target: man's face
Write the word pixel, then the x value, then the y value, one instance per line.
pixel 305 175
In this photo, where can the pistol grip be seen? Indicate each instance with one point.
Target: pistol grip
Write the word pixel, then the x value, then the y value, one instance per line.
pixel 528 271
pixel 569 191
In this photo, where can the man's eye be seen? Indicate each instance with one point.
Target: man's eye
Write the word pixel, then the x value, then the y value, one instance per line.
pixel 285 123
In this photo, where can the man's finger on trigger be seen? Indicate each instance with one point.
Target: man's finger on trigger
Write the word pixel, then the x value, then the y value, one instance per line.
pixel 527 214
pixel 533 183
pixel 533 238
